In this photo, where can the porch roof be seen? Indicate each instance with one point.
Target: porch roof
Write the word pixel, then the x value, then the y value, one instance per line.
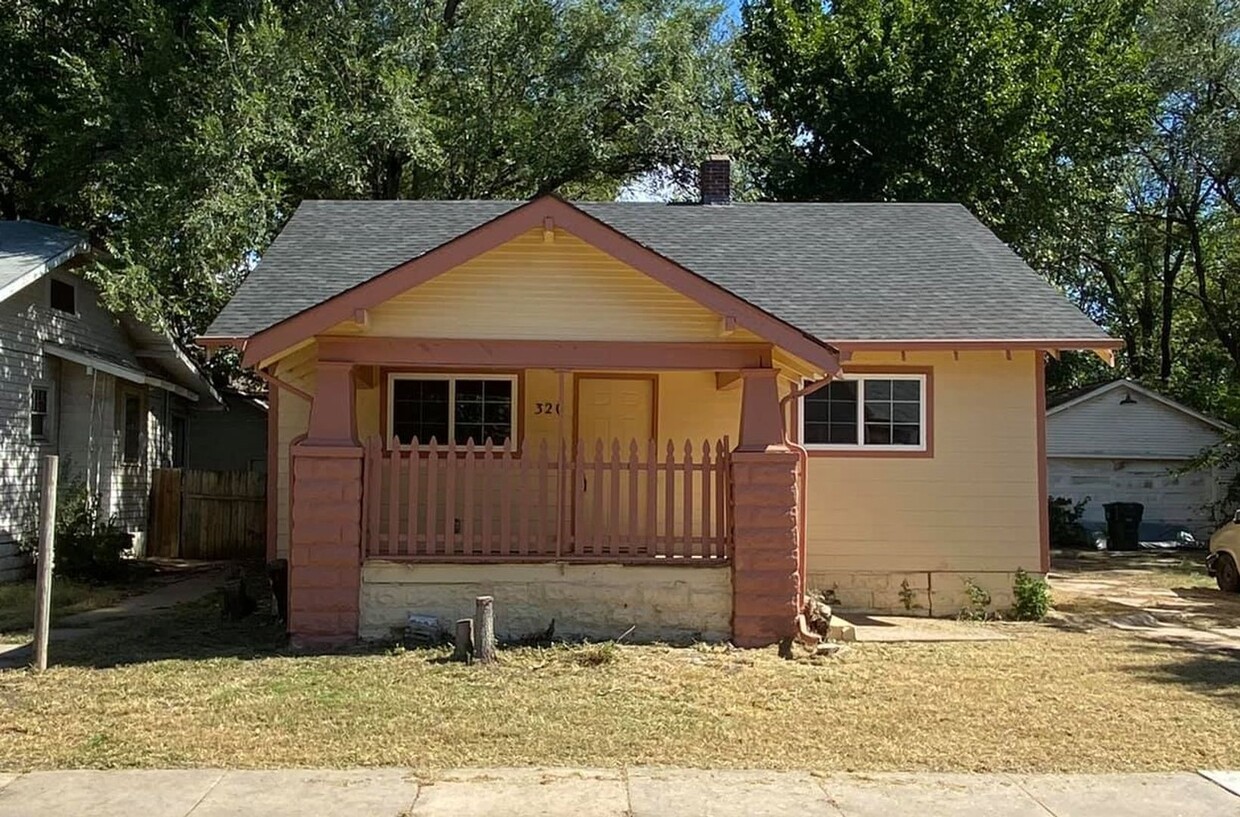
pixel 836 272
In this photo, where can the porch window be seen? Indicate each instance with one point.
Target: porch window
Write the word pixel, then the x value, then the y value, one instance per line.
pixel 867 411
pixel 452 407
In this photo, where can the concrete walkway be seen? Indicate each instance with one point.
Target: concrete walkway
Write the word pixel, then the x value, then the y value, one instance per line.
pixel 194 586
pixel 635 792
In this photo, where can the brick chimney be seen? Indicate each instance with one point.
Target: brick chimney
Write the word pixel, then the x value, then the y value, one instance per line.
pixel 715 180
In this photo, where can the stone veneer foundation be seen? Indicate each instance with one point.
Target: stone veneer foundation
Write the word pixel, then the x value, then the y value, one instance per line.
pixel 930 593
pixel 663 603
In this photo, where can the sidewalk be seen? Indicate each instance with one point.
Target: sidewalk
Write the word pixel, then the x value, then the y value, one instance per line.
pixel 636 792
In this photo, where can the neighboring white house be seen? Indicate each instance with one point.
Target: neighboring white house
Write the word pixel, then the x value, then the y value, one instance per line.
pixel 1122 442
pixel 109 394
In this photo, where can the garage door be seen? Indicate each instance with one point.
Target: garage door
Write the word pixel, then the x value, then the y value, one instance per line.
pixel 1170 501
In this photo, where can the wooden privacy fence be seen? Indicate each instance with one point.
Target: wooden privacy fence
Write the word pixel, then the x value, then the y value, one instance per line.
pixel 629 503
pixel 208 514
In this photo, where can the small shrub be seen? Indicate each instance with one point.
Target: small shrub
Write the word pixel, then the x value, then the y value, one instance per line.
pixel 1032 596
pixel 977 608
pixel 88 546
pixel 1066 530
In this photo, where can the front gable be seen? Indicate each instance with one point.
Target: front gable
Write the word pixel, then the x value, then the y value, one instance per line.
pixel 544 285
pixel 545 270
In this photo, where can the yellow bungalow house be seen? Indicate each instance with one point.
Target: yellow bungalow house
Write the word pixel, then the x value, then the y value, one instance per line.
pixel 678 417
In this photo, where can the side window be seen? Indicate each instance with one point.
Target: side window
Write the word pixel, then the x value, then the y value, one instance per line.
pixel 131 427
pixel 62 296
pixel 40 413
pixel 867 411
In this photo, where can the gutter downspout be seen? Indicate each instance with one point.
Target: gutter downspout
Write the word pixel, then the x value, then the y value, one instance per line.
pixel 802 472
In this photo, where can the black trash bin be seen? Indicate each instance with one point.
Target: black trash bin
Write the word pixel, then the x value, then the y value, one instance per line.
pixel 1123 525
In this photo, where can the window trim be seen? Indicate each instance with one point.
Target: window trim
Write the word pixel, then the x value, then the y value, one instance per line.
pixel 49 432
pixel 77 312
pixel 388 399
pixel 860 374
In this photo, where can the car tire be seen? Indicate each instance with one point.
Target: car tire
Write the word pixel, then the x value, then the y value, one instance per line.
pixel 1227 575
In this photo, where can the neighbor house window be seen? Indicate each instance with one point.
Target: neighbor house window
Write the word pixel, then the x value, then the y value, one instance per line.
pixel 40 413
pixel 452 407
pixel 131 428
pixel 62 296
pixel 867 411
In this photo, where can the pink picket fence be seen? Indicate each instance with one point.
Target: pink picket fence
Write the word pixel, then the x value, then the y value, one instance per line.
pixel 639 502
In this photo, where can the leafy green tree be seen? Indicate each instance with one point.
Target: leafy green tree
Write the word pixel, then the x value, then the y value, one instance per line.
pixel 182 133
pixel 1012 107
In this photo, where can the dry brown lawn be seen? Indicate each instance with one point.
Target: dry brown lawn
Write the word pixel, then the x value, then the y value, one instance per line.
pixel 193 691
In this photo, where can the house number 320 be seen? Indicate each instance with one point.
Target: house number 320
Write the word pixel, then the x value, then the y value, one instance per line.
pixel 546 408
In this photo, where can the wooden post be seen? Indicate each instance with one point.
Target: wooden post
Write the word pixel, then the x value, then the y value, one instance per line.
pixel 47 537
pixel 484 629
pixel 464 648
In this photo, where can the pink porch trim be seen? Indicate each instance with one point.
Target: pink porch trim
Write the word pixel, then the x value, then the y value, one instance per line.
pixel 544 354
pixel 508 226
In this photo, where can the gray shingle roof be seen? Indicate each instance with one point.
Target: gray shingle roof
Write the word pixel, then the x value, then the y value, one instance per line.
pixel 30 248
pixel 835 271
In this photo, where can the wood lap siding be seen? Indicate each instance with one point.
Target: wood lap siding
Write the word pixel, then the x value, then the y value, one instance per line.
pixel 533 289
pixel 973 506
pixel 26 322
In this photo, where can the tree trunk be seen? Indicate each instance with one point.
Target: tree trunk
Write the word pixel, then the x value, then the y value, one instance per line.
pixel 484 629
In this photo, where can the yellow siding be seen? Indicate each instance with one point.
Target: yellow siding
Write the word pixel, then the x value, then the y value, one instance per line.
pixel 533 289
pixel 972 507
pixel 297 369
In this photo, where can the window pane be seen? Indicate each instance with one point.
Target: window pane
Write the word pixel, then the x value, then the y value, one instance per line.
pixel 38 401
pixel 420 409
pixel 875 411
pixel 831 414
pixel 877 390
pixel 906 435
pixel 906 390
pixel 38 426
pixel 877 434
pixel 843 433
pixel 906 412
pixel 483 411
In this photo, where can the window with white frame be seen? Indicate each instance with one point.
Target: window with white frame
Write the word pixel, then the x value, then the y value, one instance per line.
pixel 41 412
pixel 881 411
pixel 452 407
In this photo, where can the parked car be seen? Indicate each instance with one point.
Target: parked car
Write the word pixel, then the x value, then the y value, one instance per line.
pixel 1225 555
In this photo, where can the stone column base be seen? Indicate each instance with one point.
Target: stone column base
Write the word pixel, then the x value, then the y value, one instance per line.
pixel 325 556
pixel 765 563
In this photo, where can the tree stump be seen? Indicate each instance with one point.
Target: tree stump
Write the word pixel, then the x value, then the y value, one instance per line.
pixel 464 650
pixel 484 629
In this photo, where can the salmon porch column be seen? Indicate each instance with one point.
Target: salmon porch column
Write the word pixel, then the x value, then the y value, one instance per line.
pixel 325 568
pixel 765 568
